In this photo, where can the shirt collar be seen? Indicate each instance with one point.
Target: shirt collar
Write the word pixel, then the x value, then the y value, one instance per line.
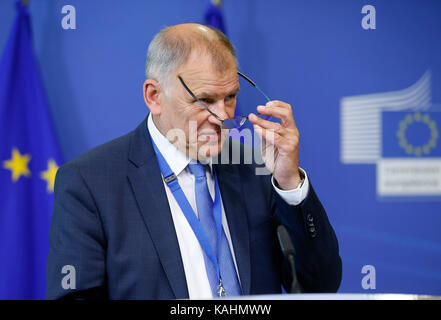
pixel 175 158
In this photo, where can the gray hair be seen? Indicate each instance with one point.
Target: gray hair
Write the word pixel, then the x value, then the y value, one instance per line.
pixel 169 50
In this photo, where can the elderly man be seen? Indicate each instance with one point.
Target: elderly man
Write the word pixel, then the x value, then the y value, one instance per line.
pixel 155 215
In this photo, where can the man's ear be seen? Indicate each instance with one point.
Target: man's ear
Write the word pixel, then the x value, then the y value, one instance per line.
pixel 151 91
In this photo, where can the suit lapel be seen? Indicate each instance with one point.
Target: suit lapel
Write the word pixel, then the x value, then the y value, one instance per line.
pixel 235 211
pixel 145 178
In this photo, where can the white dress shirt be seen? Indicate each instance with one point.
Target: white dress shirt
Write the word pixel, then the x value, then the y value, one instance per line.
pixel 191 252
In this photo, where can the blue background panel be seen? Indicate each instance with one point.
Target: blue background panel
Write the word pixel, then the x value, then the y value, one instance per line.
pixel 310 54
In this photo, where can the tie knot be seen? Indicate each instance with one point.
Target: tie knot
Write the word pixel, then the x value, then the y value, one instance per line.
pixel 197 169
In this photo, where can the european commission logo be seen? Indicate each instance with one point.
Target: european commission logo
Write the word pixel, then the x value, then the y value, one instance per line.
pixel 399 133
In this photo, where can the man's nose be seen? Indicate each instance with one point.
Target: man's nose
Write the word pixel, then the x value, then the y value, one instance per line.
pixel 219 109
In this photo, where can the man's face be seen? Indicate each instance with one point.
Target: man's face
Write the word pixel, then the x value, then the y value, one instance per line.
pixel 182 114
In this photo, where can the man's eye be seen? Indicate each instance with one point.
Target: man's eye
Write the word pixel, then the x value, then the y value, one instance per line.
pixel 206 100
pixel 230 97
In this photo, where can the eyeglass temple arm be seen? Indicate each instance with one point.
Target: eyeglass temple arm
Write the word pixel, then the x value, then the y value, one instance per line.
pixel 253 84
pixel 200 102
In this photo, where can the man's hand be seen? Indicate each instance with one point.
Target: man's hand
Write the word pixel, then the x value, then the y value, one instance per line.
pixel 283 138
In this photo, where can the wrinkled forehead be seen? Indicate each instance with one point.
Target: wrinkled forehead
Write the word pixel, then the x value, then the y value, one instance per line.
pixel 213 60
pixel 211 83
pixel 203 70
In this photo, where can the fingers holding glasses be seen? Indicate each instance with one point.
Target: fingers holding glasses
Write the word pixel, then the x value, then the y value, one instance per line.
pixel 286 144
pixel 285 137
pixel 280 110
pixel 256 120
pixel 286 128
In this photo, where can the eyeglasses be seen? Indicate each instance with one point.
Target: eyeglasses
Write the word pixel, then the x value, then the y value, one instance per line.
pixel 230 123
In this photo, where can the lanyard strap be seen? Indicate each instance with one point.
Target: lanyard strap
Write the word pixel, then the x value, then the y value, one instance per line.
pixel 172 182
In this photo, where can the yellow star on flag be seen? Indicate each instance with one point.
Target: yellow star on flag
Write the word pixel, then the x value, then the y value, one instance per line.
pixel 49 175
pixel 18 164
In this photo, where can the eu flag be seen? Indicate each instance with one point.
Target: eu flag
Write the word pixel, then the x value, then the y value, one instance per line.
pixel 29 159
pixel 408 134
pixel 213 16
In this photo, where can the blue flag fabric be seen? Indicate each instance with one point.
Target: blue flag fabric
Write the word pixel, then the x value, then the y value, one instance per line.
pixel 29 159
pixel 213 17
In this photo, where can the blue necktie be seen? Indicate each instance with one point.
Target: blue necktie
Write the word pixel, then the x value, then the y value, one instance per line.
pixel 204 204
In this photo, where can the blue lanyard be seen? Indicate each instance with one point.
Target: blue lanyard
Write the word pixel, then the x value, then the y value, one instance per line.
pixel 172 182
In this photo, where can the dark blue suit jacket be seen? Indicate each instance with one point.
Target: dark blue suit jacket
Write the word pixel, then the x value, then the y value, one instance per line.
pixel 111 221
